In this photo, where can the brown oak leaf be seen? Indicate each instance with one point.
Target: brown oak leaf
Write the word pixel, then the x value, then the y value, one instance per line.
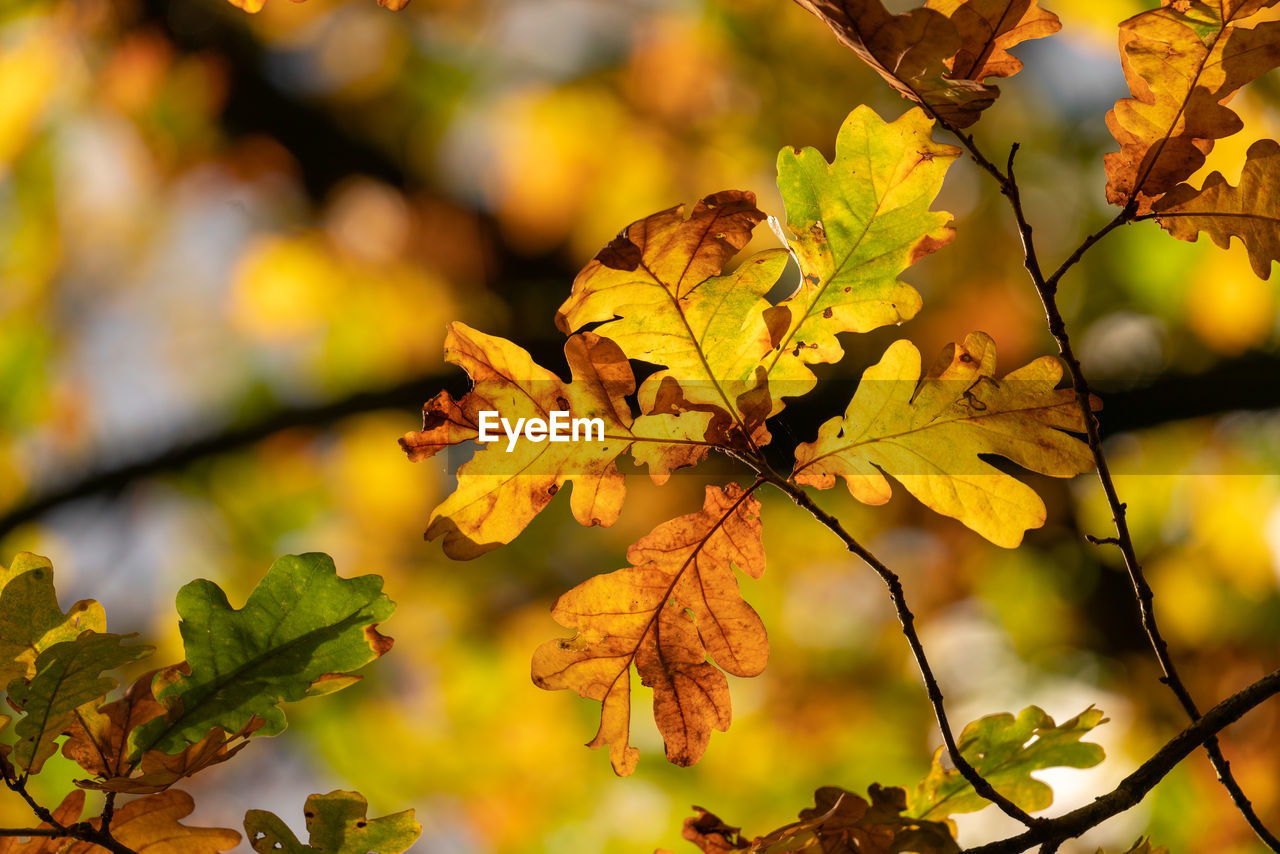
pixel 153 825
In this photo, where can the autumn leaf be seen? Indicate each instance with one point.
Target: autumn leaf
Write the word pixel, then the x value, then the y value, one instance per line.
pixel 1005 750
pixel 1183 62
pixel 499 491
pixel 911 51
pixel 855 225
pixel 255 6
pixel 66 814
pixel 153 825
pixel 337 824
pixel 30 619
pixel 98 741
pixel 928 434
pixel 1248 211
pixel 68 675
pixel 301 632
pixel 988 29
pixel 677 604
pixel 657 292
pixel 840 822
pixel 1142 846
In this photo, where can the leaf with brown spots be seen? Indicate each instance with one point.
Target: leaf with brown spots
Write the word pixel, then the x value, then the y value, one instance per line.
pixel 153 825
pixel 1183 62
pixel 855 225
pixel 929 435
pixel 1249 211
pixel 675 606
pixel 508 483
pixel 338 823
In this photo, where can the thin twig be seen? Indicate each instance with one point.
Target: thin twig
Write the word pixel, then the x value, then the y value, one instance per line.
pixel 1134 788
pixel 82 830
pixel 907 619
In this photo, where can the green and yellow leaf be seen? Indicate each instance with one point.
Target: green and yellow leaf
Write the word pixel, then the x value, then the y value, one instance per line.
pixel 677 604
pixel 855 225
pixel 68 675
pixel 337 824
pixel 928 434
pixel 1005 750
pixel 30 619
pixel 302 631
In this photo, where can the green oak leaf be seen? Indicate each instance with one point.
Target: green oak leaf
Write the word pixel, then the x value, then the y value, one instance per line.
pixel 337 825
pixel 67 675
pixel 30 619
pixel 1005 750
pixel 300 634
pixel 855 225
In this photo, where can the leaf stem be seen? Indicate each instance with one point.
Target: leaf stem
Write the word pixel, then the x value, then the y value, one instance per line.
pixel 83 830
pixel 907 619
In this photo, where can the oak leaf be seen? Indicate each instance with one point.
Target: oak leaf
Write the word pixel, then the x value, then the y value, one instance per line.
pixel 855 225
pixel 927 433
pixel 677 604
pixel 840 822
pixel 911 52
pixel 1183 62
pixel 301 633
pixel 98 740
pixel 153 825
pixel 499 492
pixel 657 291
pixel 67 675
pixel 1005 750
pixel 337 824
pixel 1249 211
pixel 30 619
pixel 988 29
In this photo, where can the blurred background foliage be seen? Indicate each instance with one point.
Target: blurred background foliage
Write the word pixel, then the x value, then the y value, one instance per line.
pixel 230 245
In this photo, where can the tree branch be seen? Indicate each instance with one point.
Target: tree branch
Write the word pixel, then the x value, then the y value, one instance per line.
pixel 1134 788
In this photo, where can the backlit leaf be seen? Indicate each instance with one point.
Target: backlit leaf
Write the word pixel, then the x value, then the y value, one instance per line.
pixel 928 434
pixel 68 675
pixel 911 51
pixel 66 813
pixel 499 491
pixel 338 825
pixel 988 29
pixel 1250 211
pixel 659 291
pixel 153 825
pixel 677 604
pixel 1183 62
pixel 30 619
pixel 302 629
pixel 1005 750
pixel 855 225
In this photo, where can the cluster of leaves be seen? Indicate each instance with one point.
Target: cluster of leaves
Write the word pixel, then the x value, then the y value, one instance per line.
pixel 728 360
pixel 302 633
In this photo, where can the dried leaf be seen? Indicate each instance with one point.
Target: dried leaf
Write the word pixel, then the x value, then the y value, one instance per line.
pixel 1183 62
pixel 676 604
pixel 988 29
pixel 300 624
pixel 657 291
pixel 840 822
pixel 1005 750
pixel 30 619
pixel 499 491
pixel 338 824
pixel 928 435
pixel 153 825
pixel 1250 211
pixel 855 225
pixel 68 675
pixel 911 51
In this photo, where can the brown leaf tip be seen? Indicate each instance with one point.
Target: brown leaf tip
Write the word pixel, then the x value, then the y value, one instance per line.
pixel 380 643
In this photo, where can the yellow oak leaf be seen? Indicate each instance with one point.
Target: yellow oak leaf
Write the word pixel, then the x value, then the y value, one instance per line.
pixel 677 604
pixel 1183 62
pixel 30 619
pixel 928 434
